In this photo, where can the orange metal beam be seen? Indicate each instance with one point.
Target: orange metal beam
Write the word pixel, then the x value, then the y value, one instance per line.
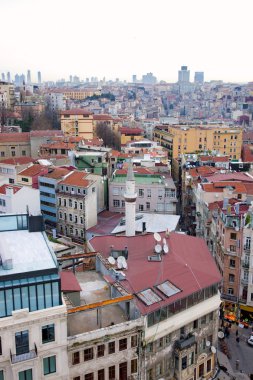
pixel 100 304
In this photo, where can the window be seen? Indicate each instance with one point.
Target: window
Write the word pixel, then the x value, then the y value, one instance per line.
pixel 101 350
pixel 49 365
pixel 148 205
pixel 231 277
pixel 89 376
pixel 75 205
pixel 88 354
pixel 122 344
pixel 23 153
pixel 123 371
pixel 134 366
pixel 232 248
pixel 149 193
pixel 101 374
pixel 141 192
pixel 233 236
pixel 25 375
pixel 115 191
pixel 93 189
pixel 116 203
pixel 184 362
pixel 111 347
pixel 195 324
pixel 1 374
pixel 2 154
pixel 24 179
pixel 80 205
pixel 191 358
pixel 70 202
pixel 203 320
pixel 232 263
pixel 22 342
pixel 11 180
pixel 112 373
pixel 230 291
pixel 76 358
pixel 77 378
pixel 48 333
pixel 134 339
pixel 13 153
pixel 208 365
pixel 141 207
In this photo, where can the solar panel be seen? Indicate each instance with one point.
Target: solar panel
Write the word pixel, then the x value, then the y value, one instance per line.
pixel 148 297
pixel 168 288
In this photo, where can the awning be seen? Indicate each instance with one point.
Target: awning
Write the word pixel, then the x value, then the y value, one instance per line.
pixel 247 308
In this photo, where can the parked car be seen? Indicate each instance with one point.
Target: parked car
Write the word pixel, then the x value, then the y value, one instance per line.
pixel 250 340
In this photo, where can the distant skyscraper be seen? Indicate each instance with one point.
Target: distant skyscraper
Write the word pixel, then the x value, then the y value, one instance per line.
pixel 39 77
pixel 199 77
pixel 70 78
pixel 8 77
pixel 134 78
pixel 183 75
pixel 3 77
pixel 149 78
pixel 29 76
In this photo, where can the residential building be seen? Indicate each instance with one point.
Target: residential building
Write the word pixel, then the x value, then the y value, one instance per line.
pixel 155 192
pixel 77 122
pixel 57 101
pixel 30 176
pixel 182 139
pixel 130 134
pixel 199 77
pixel 10 167
pixel 180 313
pixel 15 145
pixel 76 205
pixel 19 199
pixel 79 94
pixel 48 185
pixel 33 326
pixel 8 90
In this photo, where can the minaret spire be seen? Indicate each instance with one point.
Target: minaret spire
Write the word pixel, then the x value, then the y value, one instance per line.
pixel 130 201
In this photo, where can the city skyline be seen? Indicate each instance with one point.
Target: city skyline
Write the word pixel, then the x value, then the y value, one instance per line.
pixel 113 40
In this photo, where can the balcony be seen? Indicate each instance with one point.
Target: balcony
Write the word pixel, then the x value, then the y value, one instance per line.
pixel 185 342
pixel 228 297
pixel 32 354
pixel 244 281
pixel 246 248
pixel 245 264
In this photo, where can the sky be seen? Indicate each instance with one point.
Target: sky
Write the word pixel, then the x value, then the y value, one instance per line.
pixel 116 38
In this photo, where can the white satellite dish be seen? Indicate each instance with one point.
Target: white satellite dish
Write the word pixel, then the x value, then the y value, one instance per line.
pixel 213 349
pixel 111 260
pixel 121 259
pixel 119 264
pixel 124 264
pixel 165 248
pixel 164 241
pixel 158 248
pixel 208 344
pixel 157 236
pixel 221 334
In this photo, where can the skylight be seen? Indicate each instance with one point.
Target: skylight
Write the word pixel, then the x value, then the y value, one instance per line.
pixel 149 297
pixel 168 289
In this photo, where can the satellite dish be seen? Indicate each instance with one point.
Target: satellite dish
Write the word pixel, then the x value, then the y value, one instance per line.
pixel 157 236
pixel 119 264
pixel 208 344
pixel 221 334
pixel 111 260
pixel 237 229
pixel 213 349
pixel 158 248
pixel 165 248
pixel 124 264
pixel 164 241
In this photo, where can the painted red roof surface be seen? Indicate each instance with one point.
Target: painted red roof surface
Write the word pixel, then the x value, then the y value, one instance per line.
pixel 247 153
pixel 202 171
pixel 76 178
pixel 136 170
pixel 102 117
pixel 15 137
pixel 13 187
pixel 237 176
pixel 131 131
pixel 217 187
pixel 57 173
pixel 33 170
pixel 214 158
pixel 17 160
pixel 249 188
pixel 106 223
pixel 189 265
pixel 69 282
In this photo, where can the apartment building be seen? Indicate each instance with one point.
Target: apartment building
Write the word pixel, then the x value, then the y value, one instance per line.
pixel 180 314
pixel 33 327
pixel 30 176
pixel 155 192
pixel 48 185
pixel 76 198
pixel 77 122
pixel 8 89
pixel 80 94
pixel 181 139
pixel 19 199
pixel 15 145
pixel 10 167
pixel 130 134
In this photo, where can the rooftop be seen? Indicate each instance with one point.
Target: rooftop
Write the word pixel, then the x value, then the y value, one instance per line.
pixel 189 265
pixel 14 188
pixel 33 170
pixel 94 289
pixel 76 178
pixel 17 161
pixel 77 112
pixel 57 173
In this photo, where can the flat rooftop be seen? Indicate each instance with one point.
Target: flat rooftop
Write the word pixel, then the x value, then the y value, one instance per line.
pixel 94 289
pixel 28 251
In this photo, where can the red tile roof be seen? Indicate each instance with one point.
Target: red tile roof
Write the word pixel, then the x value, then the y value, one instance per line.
pixel 214 158
pixel 217 187
pixel 102 117
pixel 69 282
pixel 57 173
pixel 106 223
pixel 202 171
pixel 237 176
pixel 76 178
pixel 189 265
pixel 131 131
pixel 33 170
pixel 247 153
pixel 17 160
pixel 4 187
pixel 136 170
pixel 46 132
pixel 14 137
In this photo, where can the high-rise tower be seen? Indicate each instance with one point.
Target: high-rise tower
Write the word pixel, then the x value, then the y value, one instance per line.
pixel 130 201
pixel 29 76
pixel 39 77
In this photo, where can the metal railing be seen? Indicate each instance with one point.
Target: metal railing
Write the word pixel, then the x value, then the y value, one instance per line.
pixel 26 356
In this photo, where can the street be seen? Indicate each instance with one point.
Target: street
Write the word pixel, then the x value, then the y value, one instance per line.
pixel 240 351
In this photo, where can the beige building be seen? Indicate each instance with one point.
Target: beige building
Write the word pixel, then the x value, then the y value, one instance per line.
pixel 8 89
pixel 77 123
pixel 80 94
pixel 15 145
pixel 181 139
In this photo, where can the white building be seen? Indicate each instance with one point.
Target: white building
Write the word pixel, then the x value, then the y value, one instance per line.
pixel 10 167
pixel 18 199
pixel 33 326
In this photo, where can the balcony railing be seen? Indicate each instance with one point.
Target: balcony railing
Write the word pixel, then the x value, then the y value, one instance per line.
pixel 245 264
pixel 246 248
pixel 26 356
pixel 244 281
pixel 228 297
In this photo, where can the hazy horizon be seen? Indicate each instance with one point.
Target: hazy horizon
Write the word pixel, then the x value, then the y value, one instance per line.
pixel 113 39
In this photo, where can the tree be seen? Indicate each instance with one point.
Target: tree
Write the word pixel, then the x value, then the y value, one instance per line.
pixel 111 139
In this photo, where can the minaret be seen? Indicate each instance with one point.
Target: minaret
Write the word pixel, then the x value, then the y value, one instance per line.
pixel 130 201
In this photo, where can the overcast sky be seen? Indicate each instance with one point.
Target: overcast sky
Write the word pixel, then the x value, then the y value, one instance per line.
pixel 116 38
